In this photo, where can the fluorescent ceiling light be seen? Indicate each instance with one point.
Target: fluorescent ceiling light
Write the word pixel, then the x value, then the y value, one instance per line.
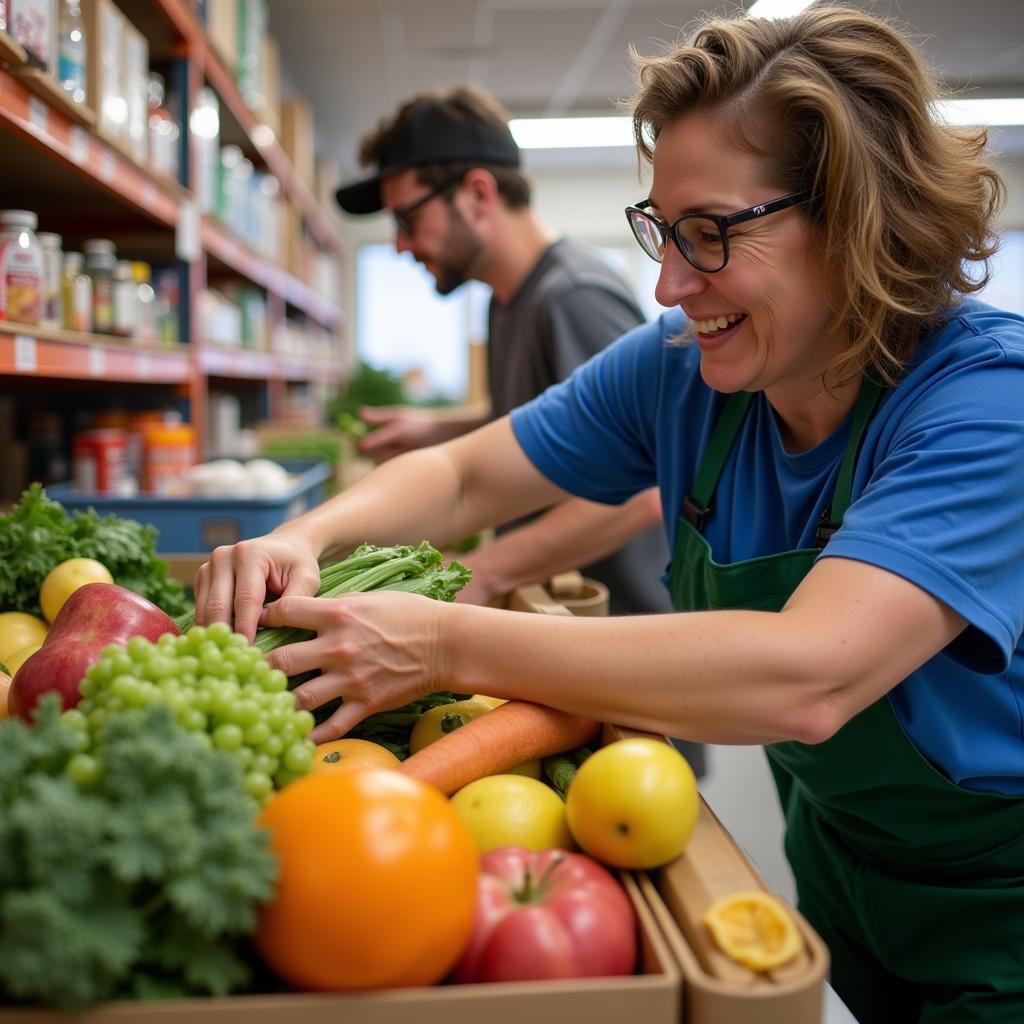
pixel 595 132
pixel 978 112
pixel 571 132
pixel 777 8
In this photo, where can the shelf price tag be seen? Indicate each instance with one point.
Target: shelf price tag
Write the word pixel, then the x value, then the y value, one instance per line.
pixel 186 238
pixel 97 361
pixel 143 366
pixel 38 114
pixel 108 166
pixel 25 359
pixel 79 145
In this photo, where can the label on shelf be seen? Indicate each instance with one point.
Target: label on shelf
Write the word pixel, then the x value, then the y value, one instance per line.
pixel 79 145
pixel 25 359
pixel 97 361
pixel 108 166
pixel 143 366
pixel 38 113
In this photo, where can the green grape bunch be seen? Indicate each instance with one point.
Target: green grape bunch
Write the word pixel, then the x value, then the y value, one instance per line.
pixel 217 685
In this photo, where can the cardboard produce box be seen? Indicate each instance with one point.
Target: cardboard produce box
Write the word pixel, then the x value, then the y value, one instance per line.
pixel 651 996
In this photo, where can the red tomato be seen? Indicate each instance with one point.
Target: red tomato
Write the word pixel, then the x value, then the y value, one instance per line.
pixel 552 914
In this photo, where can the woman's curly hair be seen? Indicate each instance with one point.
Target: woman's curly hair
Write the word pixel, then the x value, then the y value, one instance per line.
pixel 840 102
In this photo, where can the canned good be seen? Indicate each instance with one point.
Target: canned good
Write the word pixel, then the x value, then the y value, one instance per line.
pixel 98 457
pixel 168 453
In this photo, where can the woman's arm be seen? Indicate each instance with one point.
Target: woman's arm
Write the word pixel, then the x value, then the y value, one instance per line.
pixel 850 633
pixel 574 533
pixel 441 493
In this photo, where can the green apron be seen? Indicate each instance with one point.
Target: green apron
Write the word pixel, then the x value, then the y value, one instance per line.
pixel 916 884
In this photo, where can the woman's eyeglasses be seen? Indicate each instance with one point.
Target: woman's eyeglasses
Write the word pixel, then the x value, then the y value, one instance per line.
pixel 702 238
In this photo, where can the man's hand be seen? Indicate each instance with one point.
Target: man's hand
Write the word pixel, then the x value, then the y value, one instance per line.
pixel 401 428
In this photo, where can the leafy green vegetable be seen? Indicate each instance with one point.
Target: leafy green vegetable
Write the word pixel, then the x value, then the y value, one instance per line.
pixel 143 881
pixel 366 386
pixel 37 534
pixel 414 570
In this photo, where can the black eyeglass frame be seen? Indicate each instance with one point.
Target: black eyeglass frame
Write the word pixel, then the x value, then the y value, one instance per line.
pixel 722 221
pixel 401 217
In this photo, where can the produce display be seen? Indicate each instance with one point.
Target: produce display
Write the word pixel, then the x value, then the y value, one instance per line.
pixel 37 535
pixel 217 685
pixel 167 828
pixel 93 617
pixel 138 880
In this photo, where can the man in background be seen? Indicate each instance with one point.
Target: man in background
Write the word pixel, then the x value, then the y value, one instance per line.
pixel 448 170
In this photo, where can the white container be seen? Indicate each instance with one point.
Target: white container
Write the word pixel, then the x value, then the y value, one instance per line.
pixel 126 300
pixel 21 267
pixel 52 311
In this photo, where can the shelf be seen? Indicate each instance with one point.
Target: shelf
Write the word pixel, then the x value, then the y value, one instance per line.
pixel 11 51
pixel 265 142
pixel 30 351
pixel 245 364
pixel 50 129
pixel 221 243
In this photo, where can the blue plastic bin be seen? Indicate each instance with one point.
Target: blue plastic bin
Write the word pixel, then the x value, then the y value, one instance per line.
pixel 198 525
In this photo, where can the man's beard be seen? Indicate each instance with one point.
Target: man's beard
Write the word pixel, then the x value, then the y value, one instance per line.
pixel 462 253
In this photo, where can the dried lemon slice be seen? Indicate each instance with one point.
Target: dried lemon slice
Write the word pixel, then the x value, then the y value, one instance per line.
pixel 754 929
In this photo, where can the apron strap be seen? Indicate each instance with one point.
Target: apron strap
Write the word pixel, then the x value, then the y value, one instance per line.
pixel 697 508
pixel 832 515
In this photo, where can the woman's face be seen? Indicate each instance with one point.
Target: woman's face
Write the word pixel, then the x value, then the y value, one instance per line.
pixel 771 293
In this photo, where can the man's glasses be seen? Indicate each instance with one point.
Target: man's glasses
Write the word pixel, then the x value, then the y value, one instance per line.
pixel 402 221
pixel 702 238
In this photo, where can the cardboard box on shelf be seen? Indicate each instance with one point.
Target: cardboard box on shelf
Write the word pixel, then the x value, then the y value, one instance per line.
pixel 105 33
pixel 222 30
pixel 134 83
pixel 297 137
pixel 269 105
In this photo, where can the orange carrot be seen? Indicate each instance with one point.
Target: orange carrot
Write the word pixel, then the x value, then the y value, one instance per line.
pixel 512 733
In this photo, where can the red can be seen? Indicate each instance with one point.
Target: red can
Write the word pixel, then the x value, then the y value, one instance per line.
pixel 99 460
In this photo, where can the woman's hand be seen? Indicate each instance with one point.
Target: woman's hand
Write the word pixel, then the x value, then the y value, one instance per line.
pixel 375 651
pixel 233 585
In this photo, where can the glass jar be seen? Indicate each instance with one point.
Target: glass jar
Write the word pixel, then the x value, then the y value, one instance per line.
pixel 100 261
pixel 21 267
pixel 51 313
pixel 125 300
pixel 76 294
pixel 145 304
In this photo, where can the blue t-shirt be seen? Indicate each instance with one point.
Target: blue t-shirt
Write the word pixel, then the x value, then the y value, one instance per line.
pixel 938 498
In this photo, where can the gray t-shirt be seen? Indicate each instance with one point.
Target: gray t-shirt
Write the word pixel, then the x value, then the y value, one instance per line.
pixel 568 309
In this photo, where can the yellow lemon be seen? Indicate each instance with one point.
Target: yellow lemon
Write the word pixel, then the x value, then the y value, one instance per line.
pixel 633 803
pixel 754 928
pixel 442 719
pixel 351 753
pixel 17 630
pixel 18 658
pixel 64 579
pixel 500 810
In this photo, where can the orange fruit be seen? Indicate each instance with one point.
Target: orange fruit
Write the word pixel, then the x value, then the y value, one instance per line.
pixel 754 928
pixel 352 753
pixel 377 882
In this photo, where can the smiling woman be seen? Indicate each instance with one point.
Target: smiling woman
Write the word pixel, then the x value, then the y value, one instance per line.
pixel 836 430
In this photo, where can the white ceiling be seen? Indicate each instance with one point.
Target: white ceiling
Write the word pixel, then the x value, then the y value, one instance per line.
pixel 356 60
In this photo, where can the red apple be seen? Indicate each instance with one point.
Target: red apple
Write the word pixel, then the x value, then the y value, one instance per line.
pixel 92 617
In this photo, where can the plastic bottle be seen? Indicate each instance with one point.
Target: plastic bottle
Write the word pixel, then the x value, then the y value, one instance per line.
pixel 125 300
pixel 52 305
pixel 168 453
pixel 21 267
pixel 71 50
pixel 163 131
pixel 100 260
pixel 145 304
pixel 76 294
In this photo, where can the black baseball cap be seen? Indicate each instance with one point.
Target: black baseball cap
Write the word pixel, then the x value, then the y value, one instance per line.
pixel 433 134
